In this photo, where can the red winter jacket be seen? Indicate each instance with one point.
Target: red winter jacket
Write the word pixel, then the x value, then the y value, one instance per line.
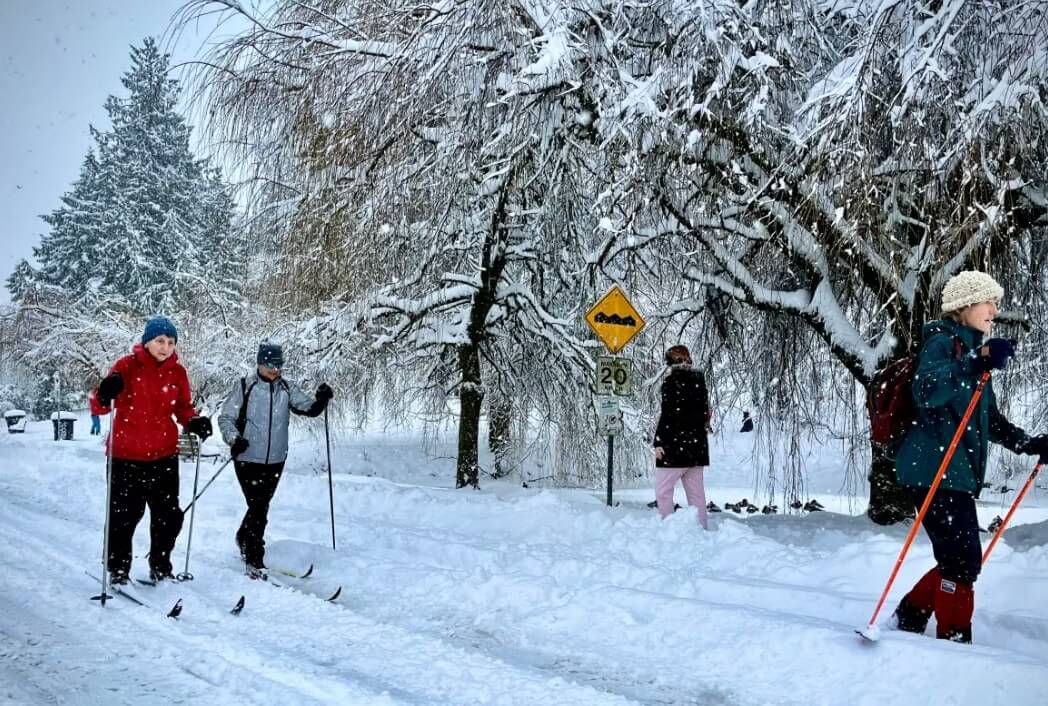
pixel 153 393
pixel 97 410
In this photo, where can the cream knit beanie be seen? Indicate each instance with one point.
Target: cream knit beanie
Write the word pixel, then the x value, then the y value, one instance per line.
pixel 969 287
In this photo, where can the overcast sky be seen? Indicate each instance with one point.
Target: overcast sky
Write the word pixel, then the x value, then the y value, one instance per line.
pixel 59 60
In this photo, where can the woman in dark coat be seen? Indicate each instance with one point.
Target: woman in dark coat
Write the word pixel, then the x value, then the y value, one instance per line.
pixel 681 447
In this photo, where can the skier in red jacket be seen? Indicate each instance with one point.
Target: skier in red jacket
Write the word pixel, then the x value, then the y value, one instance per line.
pixel 148 389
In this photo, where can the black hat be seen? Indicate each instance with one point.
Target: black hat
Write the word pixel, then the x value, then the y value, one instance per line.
pixel 270 355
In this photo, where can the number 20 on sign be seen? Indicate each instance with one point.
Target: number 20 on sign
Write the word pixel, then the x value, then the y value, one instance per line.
pixel 614 376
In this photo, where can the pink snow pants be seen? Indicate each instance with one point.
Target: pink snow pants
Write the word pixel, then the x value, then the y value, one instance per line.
pixel 665 481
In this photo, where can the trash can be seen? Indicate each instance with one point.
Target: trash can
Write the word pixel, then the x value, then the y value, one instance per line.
pixel 63 425
pixel 16 419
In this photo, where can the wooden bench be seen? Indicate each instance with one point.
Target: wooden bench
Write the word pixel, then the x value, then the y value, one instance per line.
pixel 187 448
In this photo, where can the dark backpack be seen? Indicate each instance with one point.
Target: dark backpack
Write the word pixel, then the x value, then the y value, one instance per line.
pixel 890 398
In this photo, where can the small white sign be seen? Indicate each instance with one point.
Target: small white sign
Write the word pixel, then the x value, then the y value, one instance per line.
pixel 614 376
pixel 609 416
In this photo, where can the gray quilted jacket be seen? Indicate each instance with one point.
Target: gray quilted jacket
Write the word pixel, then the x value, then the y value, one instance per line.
pixel 269 407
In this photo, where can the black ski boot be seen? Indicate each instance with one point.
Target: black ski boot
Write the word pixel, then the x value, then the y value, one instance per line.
pixel 257 572
pixel 910 618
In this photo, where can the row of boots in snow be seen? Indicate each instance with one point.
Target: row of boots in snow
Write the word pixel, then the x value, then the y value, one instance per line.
pixel 746 506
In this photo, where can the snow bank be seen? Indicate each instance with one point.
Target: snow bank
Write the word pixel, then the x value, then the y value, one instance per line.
pixel 502 596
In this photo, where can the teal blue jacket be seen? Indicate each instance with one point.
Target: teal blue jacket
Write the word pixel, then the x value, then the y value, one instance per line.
pixel 942 388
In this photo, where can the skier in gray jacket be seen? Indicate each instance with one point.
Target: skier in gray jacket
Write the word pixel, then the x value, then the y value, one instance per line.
pixel 254 422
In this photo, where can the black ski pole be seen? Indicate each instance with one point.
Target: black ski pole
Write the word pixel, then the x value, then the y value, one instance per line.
pixel 207 485
pixel 331 485
pixel 104 595
pixel 185 575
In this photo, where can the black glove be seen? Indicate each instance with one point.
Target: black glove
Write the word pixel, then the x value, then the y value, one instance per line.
pixel 1037 446
pixel 201 426
pixel 109 388
pixel 994 354
pixel 239 446
pixel 324 393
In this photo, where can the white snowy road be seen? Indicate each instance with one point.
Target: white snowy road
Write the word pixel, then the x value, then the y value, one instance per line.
pixel 499 597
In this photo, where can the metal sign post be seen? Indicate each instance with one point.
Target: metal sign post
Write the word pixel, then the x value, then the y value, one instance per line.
pixel 615 322
pixel 609 423
pixel 58 403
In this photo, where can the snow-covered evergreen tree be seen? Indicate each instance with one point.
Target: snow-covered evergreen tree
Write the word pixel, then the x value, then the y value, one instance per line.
pixel 146 228
pixel 146 220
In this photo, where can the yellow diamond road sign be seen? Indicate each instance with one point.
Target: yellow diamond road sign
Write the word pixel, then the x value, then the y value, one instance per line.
pixel 614 319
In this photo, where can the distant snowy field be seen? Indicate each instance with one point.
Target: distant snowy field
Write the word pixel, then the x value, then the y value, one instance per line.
pixel 503 596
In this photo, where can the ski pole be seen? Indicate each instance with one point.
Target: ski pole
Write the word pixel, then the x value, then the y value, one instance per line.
pixel 331 486
pixel 185 575
pixel 207 485
pixel 983 379
pixel 1012 509
pixel 104 595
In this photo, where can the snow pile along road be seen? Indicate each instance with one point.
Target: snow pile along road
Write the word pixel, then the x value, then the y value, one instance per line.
pixel 506 596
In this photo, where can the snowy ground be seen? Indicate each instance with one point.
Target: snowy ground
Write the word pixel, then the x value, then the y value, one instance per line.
pixel 504 596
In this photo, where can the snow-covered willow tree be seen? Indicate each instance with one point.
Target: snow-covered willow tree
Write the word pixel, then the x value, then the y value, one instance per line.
pixel 426 174
pixel 147 228
pixel 834 163
pixel 824 167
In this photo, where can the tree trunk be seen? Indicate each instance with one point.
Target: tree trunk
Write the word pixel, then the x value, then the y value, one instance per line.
pixel 499 415
pixel 889 501
pixel 471 396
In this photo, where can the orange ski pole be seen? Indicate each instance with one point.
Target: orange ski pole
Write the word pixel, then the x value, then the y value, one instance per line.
pixel 1012 509
pixel 983 379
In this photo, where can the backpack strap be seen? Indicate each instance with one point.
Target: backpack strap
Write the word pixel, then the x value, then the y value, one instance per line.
pixel 959 348
pixel 245 392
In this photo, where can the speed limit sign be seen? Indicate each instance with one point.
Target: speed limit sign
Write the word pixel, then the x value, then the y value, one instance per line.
pixel 614 376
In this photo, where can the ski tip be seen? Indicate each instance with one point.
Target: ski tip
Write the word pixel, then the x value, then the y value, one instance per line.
pixel 870 633
pixel 309 572
pixel 176 610
pixel 335 595
pixel 238 607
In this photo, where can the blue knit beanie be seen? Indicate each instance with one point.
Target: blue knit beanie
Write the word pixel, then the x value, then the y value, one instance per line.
pixel 159 326
pixel 270 355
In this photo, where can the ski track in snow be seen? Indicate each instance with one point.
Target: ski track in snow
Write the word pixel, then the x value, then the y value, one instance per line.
pixel 500 597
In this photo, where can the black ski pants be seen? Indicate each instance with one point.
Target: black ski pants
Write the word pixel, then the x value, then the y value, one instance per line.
pixel 953 527
pixel 137 484
pixel 259 483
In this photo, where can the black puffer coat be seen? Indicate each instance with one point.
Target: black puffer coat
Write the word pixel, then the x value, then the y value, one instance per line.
pixel 682 423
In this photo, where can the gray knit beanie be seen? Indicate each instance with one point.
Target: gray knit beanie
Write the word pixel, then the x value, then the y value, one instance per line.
pixel 969 287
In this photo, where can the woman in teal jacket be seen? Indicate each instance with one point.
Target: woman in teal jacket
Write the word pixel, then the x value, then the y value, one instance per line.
pixel 953 357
